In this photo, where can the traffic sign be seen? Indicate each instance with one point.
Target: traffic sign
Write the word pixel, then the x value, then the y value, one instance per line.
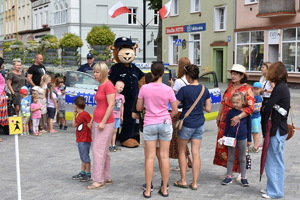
pixel 178 42
pixel 15 125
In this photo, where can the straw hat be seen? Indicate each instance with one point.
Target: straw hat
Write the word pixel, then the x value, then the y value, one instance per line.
pixel 238 68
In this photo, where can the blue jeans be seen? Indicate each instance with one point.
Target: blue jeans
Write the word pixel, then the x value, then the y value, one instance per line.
pixel 158 132
pixel 275 166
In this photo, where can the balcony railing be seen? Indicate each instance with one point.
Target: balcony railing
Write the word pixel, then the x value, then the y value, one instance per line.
pixel 276 8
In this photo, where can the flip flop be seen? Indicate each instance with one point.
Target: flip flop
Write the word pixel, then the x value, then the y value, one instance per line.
pixel 192 187
pixel 178 184
pixel 108 181
pixel 93 186
pixel 162 194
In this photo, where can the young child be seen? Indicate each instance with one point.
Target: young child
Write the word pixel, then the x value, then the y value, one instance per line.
pixel 43 101
pixel 242 133
pixel 118 114
pixel 25 110
pixel 35 109
pixel 51 105
pixel 59 83
pixel 81 119
pixel 62 108
pixel 45 79
pixel 256 117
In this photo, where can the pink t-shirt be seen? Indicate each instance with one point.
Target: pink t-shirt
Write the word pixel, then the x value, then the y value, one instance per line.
pixel 156 99
pixel 100 97
pixel 36 114
pixel 120 100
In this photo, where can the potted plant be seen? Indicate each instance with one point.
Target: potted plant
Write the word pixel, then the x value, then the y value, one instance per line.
pixel 49 42
pixel 70 40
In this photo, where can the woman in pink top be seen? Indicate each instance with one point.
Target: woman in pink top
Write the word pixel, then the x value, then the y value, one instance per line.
pixel 155 97
pixel 102 125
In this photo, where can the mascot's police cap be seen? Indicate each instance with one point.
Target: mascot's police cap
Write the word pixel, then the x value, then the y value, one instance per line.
pixel 123 41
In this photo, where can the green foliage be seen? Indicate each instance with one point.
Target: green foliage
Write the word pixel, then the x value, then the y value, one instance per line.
pixel 6 46
pixel 100 35
pixel 70 40
pixel 104 55
pixel 155 4
pixel 49 42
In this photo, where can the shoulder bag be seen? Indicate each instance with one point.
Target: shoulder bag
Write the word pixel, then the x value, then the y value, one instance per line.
pixel 291 127
pixel 179 122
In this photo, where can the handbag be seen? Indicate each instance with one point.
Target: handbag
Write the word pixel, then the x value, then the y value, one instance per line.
pixel 179 122
pixel 231 141
pixel 291 128
pixel 248 160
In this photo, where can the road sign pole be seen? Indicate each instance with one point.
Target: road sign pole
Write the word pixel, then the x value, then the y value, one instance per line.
pixel 18 165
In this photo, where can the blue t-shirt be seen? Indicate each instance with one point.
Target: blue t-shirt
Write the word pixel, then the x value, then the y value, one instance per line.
pixel 257 106
pixel 187 95
pixel 244 129
pixel 25 106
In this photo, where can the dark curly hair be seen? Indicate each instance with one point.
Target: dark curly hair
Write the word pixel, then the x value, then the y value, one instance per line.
pixel 192 71
pixel 277 73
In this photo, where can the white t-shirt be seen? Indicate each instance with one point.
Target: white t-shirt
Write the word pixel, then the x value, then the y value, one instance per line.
pixel 265 85
pixel 179 83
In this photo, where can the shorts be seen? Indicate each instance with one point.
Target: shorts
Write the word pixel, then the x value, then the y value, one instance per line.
pixel 25 119
pixel 158 132
pixel 84 151
pixel 62 113
pixel 51 112
pixel 191 133
pixel 117 122
pixel 255 125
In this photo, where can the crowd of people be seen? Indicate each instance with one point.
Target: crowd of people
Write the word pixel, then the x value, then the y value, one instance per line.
pixel 243 113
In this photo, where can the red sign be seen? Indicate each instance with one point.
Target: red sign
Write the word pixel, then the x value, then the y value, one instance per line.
pixel 174 29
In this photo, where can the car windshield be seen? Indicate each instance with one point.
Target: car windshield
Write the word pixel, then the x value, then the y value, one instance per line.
pixel 80 80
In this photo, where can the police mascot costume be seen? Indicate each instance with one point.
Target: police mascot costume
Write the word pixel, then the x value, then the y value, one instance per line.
pixel 124 53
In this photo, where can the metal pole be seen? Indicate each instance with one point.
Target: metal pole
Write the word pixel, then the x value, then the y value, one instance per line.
pixel 80 24
pixel 18 166
pixel 144 31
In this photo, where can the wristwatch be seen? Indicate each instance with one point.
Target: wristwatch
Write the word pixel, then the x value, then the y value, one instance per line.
pixel 266 90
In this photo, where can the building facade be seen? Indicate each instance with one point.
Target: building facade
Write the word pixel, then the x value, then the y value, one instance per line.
pixel 202 31
pixel 10 25
pixel 1 26
pixel 80 16
pixel 268 31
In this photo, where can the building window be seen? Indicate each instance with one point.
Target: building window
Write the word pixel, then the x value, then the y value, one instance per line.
pixel 250 49
pixel 291 49
pixel 173 50
pixel 60 14
pixel 132 16
pixel 195 6
pixel 194 49
pixel 175 7
pixel 220 18
pixel 155 17
pixel 250 1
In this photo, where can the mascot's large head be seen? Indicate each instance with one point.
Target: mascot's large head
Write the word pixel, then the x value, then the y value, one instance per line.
pixel 124 50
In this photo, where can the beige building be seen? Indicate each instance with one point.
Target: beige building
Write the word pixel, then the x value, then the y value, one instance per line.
pixel 24 20
pixel 10 25
pixel 268 31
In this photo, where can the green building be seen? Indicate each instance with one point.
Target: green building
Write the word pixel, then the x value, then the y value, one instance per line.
pixel 203 31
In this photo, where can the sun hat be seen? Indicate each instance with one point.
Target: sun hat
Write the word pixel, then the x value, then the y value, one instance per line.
pixel 257 85
pixel 238 68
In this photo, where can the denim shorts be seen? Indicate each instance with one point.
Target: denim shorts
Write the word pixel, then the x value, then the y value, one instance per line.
pixel 62 113
pixel 158 132
pixel 51 112
pixel 191 133
pixel 84 151
pixel 255 125
pixel 117 122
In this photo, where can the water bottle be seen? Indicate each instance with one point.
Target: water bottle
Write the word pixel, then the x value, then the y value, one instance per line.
pixel 281 110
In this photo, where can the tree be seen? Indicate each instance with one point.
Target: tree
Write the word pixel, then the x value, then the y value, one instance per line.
pixel 156 5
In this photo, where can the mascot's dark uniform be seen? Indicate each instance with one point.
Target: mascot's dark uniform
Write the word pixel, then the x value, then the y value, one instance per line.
pixel 124 70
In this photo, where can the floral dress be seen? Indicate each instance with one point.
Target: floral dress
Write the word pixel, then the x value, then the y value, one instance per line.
pixel 221 154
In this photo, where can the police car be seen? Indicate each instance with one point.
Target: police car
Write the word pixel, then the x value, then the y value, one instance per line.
pixel 84 84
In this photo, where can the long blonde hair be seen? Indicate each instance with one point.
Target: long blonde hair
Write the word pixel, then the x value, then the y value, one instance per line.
pixel 44 79
pixel 102 68
pixel 49 90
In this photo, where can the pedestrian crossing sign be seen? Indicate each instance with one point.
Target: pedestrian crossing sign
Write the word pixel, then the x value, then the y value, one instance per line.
pixel 15 125
pixel 178 42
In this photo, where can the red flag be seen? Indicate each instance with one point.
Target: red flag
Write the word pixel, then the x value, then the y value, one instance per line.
pixel 118 9
pixel 165 10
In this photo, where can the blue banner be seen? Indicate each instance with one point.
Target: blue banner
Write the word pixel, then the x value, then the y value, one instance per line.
pixel 195 27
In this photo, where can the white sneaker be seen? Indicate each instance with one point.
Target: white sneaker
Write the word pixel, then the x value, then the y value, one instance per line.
pixel 263 191
pixel 266 196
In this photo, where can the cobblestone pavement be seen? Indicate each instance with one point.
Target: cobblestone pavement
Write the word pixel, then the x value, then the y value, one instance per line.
pixel 48 162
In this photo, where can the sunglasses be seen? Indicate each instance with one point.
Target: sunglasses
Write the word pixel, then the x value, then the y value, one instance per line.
pixel 186 69
pixel 89 58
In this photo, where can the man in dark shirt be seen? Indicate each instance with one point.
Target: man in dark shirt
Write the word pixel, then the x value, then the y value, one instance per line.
pixel 89 65
pixel 36 71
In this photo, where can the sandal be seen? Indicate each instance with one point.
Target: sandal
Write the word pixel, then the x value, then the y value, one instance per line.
pixel 108 181
pixel 146 196
pixel 162 194
pixel 192 187
pixel 94 186
pixel 254 150
pixel 178 184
